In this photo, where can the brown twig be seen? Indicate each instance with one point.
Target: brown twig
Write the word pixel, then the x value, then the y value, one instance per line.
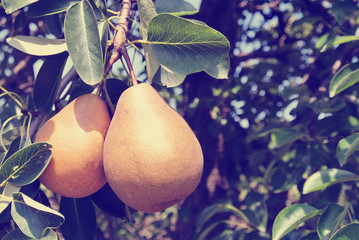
pixel 119 41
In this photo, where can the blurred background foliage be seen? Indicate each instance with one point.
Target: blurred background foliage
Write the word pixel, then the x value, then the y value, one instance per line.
pixel 263 130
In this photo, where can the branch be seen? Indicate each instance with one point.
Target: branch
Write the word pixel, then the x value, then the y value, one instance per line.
pixel 119 41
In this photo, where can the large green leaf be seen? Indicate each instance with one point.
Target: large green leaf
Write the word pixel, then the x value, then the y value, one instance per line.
pixel 183 46
pixel 46 7
pixel 17 234
pixel 38 46
pixel 328 221
pixel 83 42
pixel 325 178
pixel 11 6
pixel 80 217
pixel 177 7
pixel 32 217
pixel 348 232
pixel 344 78
pixel 290 218
pixel 47 82
pixel 346 147
pixel 26 165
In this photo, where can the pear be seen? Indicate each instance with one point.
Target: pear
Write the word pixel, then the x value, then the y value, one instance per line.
pixel 152 159
pixel 77 134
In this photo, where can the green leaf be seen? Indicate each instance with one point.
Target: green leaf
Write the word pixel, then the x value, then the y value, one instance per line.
pixel 328 220
pixel 80 218
pixel 19 235
pixel 283 136
pixel 220 71
pixel 166 77
pixel 107 200
pixel 46 7
pixel 290 218
pixel 177 7
pixel 11 6
pixel 26 165
pixel 32 217
pixel 83 42
pixel 346 77
pixel 325 178
pixel 343 10
pixel 100 8
pixel 346 147
pixel 348 232
pixel 339 40
pixel 37 46
pixel 6 195
pixel 103 28
pixel 210 211
pixel 47 82
pixel 185 47
pixel 14 147
pixel 147 11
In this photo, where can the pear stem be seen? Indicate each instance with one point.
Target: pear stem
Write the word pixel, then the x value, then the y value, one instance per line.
pixel 124 53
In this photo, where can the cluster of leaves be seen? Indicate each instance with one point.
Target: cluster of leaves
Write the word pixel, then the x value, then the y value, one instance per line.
pixel 83 35
pixel 297 176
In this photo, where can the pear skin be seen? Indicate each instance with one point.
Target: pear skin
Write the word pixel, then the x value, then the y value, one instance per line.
pixel 77 135
pixel 152 159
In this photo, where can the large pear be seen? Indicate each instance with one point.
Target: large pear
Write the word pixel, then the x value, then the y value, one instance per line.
pixel 152 159
pixel 77 134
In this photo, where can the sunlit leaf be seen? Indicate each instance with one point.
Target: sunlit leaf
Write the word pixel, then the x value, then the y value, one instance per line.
pixel 328 220
pixel 26 165
pixel 80 218
pixel 325 178
pixel 183 46
pixel 177 7
pixel 348 232
pixel 38 46
pixel 290 218
pixel 11 6
pixel 344 78
pixel 32 217
pixel 46 7
pixel 346 147
pixel 83 42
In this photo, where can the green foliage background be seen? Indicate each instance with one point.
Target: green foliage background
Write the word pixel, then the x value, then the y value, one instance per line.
pixel 278 136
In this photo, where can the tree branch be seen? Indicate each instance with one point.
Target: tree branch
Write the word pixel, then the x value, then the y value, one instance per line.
pixel 119 41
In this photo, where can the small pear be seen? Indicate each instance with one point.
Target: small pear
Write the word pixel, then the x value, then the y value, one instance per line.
pixel 77 134
pixel 152 159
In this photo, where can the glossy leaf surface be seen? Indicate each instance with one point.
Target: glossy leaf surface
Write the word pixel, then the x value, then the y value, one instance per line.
pixel 83 42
